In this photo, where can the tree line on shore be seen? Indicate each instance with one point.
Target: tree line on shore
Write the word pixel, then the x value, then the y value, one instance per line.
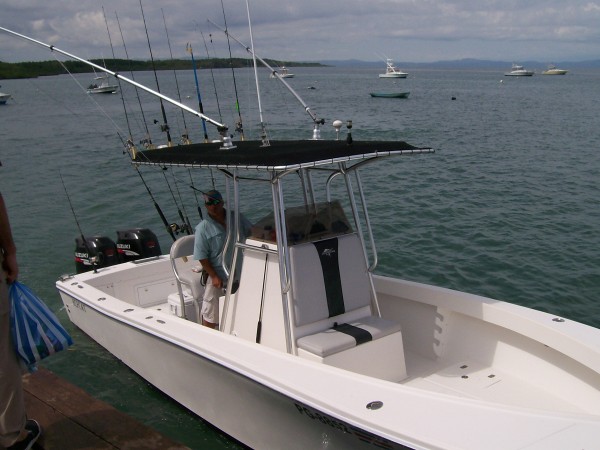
pixel 35 69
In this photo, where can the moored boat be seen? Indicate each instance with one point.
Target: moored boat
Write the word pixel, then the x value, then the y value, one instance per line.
pixel 390 94
pixel 519 71
pixel 391 71
pixel 553 70
pixel 283 73
pixel 101 85
pixel 4 98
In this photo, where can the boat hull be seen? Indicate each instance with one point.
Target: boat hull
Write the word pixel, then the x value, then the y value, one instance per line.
pixel 231 400
pixel 267 398
pixel 390 94
pixel 520 74
pixel 103 90
pixel 393 75
pixel 4 98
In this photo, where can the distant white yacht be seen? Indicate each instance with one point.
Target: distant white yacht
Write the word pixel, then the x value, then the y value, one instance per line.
pixel 552 70
pixel 391 71
pixel 519 71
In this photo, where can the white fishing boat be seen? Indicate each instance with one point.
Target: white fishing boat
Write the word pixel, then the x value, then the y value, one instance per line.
pixel 519 71
pixel 391 71
pixel 283 73
pixel 314 348
pixel 101 85
pixel 553 70
pixel 4 98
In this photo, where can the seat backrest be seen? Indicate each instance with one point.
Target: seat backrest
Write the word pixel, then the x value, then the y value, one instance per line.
pixel 183 263
pixel 184 246
pixel 329 278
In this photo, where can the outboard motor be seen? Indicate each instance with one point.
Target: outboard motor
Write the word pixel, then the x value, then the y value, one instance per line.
pixel 137 243
pixel 94 253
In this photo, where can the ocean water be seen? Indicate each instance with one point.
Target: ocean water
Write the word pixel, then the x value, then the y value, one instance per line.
pixel 507 207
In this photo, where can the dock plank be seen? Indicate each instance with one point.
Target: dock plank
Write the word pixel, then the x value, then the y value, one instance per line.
pixel 74 420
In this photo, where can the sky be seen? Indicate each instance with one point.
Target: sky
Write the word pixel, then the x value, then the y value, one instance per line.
pixel 308 30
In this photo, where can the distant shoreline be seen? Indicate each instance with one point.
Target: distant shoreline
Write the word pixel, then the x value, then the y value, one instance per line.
pixel 48 68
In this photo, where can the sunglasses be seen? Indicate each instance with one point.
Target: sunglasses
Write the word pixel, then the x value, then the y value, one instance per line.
pixel 212 202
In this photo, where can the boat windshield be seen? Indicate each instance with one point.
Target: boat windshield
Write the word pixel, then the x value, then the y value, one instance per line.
pixel 306 223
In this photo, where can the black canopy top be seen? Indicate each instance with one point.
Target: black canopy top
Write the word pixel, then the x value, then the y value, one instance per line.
pixel 280 155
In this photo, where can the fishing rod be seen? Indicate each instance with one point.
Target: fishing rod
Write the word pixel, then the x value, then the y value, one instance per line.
pixel 195 194
pixel 262 300
pixel 212 74
pixel 52 48
pixel 185 137
pixel 263 128
pixel 93 260
pixel 165 126
pixel 160 213
pixel 118 81
pixel 147 142
pixel 317 122
pixel 191 52
pixel 183 216
pixel 239 127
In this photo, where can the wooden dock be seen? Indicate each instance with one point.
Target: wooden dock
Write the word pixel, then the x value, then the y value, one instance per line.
pixel 73 420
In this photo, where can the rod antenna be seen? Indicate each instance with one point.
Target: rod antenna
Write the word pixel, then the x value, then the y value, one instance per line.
pixel 263 129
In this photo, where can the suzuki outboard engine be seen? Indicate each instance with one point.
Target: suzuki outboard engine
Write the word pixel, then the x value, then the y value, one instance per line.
pixel 94 253
pixel 137 243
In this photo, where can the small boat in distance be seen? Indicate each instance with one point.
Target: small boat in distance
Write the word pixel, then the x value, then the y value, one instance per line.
pixel 283 72
pixel 390 94
pixel 391 71
pixel 101 85
pixel 519 71
pixel 4 98
pixel 552 70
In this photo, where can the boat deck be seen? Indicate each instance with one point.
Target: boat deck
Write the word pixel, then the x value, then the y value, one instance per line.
pixel 471 379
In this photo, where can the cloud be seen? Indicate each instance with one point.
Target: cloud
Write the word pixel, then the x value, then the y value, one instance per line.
pixel 407 30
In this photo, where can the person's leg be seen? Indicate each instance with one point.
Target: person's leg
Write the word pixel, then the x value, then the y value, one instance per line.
pixel 12 404
pixel 210 305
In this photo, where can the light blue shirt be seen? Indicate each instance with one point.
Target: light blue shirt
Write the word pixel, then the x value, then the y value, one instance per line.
pixel 209 240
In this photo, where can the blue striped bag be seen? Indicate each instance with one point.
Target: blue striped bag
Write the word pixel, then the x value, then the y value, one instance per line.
pixel 36 331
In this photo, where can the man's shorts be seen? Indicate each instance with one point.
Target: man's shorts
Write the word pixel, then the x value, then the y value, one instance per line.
pixel 210 302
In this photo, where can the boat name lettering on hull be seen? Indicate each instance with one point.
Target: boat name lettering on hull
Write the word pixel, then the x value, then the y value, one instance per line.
pixel 322 418
pixel 359 434
pixel 79 305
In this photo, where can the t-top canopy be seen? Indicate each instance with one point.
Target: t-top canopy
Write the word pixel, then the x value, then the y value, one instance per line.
pixel 280 155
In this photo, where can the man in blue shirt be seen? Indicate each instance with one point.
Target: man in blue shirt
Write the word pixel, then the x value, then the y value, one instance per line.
pixel 209 241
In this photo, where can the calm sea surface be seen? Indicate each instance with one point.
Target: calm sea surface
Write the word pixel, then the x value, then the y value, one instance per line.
pixel 508 207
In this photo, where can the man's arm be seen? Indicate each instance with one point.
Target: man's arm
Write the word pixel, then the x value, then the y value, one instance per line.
pixel 212 273
pixel 7 245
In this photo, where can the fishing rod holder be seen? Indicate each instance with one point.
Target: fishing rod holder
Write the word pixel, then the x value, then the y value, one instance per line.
pixel 226 141
pixel 317 129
